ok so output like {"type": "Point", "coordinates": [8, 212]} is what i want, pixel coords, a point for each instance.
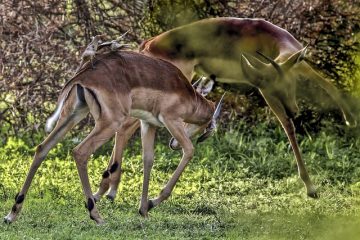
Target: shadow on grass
{"type": "Point", "coordinates": [283, 226]}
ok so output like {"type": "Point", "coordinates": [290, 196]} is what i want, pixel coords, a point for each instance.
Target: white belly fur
{"type": "Point", "coordinates": [147, 117]}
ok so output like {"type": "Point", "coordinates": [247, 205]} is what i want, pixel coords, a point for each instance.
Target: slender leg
{"type": "Point", "coordinates": [131, 125]}
{"type": "Point", "coordinates": [112, 175]}
{"type": "Point", "coordinates": [307, 71]}
{"type": "Point", "coordinates": [278, 109]}
{"type": "Point", "coordinates": [176, 129]}
{"type": "Point", "coordinates": [147, 140]}
{"type": "Point", "coordinates": [63, 126]}
{"type": "Point", "coordinates": [98, 136]}
{"type": "Point", "coordinates": [105, 180]}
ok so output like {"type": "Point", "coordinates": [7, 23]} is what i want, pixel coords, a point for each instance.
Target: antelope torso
{"type": "Point", "coordinates": [145, 88]}
{"type": "Point", "coordinates": [214, 46]}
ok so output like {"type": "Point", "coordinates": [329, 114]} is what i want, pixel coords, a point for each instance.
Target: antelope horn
{"type": "Point", "coordinates": [123, 35]}
{"type": "Point", "coordinates": [273, 63]}
{"type": "Point", "coordinates": [218, 108]}
{"type": "Point", "coordinates": [197, 82]}
{"type": "Point", "coordinates": [293, 59]}
{"type": "Point", "coordinates": [212, 126]}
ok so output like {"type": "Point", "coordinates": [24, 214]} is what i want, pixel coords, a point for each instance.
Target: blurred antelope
{"type": "Point", "coordinates": [124, 85]}
{"type": "Point", "coordinates": [218, 47]}
{"type": "Point", "coordinates": [228, 50]}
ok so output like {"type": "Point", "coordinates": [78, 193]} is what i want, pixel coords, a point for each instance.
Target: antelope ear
{"type": "Point", "coordinates": [206, 87]}
{"type": "Point", "coordinates": [249, 70]}
{"type": "Point", "coordinates": [273, 63]}
{"type": "Point", "coordinates": [196, 83]}
{"type": "Point", "coordinates": [293, 59]}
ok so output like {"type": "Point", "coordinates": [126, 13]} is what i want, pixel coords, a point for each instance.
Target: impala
{"type": "Point", "coordinates": [228, 50]}
{"type": "Point", "coordinates": [123, 85]}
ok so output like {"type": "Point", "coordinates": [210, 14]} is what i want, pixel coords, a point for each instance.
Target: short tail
{"type": "Point", "coordinates": [72, 102]}
{"type": "Point", "coordinates": [50, 122]}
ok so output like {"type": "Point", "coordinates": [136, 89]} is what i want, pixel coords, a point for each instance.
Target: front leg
{"type": "Point", "coordinates": [147, 140]}
{"type": "Point", "coordinates": [112, 175]}
{"type": "Point", "coordinates": [278, 109]}
{"type": "Point", "coordinates": [98, 136]}
{"type": "Point", "coordinates": [176, 128]}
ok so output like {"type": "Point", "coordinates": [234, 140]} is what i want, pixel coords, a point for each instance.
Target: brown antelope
{"type": "Point", "coordinates": [125, 84]}
{"type": "Point", "coordinates": [216, 48]}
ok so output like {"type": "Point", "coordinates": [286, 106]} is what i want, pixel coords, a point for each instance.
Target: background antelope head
{"type": "Point", "coordinates": [279, 74]}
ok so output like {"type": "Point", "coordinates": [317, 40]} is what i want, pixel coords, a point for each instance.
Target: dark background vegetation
{"type": "Point", "coordinates": [241, 183]}
{"type": "Point", "coordinates": [41, 43]}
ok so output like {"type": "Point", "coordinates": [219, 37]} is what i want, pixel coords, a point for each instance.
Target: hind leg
{"type": "Point", "coordinates": [64, 124]}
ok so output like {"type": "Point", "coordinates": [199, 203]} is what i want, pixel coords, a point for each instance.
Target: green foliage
{"type": "Point", "coordinates": [241, 184]}
{"type": "Point", "coordinates": [42, 41]}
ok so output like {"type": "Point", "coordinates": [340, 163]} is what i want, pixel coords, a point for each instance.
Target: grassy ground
{"type": "Point", "coordinates": [241, 184]}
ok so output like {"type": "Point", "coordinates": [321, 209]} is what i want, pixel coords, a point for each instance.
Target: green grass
{"type": "Point", "coordinates": [241, 184]}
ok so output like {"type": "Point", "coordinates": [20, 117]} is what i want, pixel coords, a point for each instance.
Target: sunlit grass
{"type": "Point", "coordinates": [241, 184]}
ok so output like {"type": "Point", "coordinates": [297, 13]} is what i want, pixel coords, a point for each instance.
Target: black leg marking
{"type": "Point", "coordinates": [20, 198]}
{"type": "Point", "coordinates": [106, 174]}
{"type": "Point", "coordinates": [16, 195]}
{"type": "Point", "coordinates": [111, 198]}
{"type": "Point", "coordinates": [14, 208]}
{"type": "Point", "coordinates": [114, 167]}
{"type": "Point", "coordinates": [92, 218]}
{"type": "Point", "coordinates": [90, 204]}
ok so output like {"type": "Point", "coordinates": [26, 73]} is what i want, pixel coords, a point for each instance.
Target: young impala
{"type": "Point", "coordinates": [216, 48]}
{"type": "Point", "coordinates": [123, 85]}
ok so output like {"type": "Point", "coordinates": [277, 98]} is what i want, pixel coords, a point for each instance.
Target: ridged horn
{"type": "Point", "coordinates": [293, 59]}
{"type": "Point", "coordinates": [212, 125]}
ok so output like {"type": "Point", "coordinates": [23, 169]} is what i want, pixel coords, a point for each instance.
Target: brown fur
{"type": "Point", "coordinates": [121, 83]}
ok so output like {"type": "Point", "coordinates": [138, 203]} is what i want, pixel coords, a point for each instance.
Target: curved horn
{"type": "Point", "coordinates": [218, 107]}
{"type": "Point", "coordinates": [293, 59]}
{"type": "Point", "coordinates": [212, 126]}
{"type": "Point", "coordinates": [273, 63]}
{"type": "Point", "coordinates": [123, 35]}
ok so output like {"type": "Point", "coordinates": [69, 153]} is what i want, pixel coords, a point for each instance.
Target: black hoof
{"type": "Point", "coordinates": [143, 214]}
{"type": "Point", "coordinates": [7, 221]}
{"type": "Point", "coordinates": [150, 205]}
{"type": "Point", "coordinates": [314, 195]}
{"type": "Point", "coordinates": [110, 198]}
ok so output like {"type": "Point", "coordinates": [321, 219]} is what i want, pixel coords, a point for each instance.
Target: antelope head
{"type": "Point", "coordinates": [205, 129]}
{"type": "Point", "coordinates": [274, 78]}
